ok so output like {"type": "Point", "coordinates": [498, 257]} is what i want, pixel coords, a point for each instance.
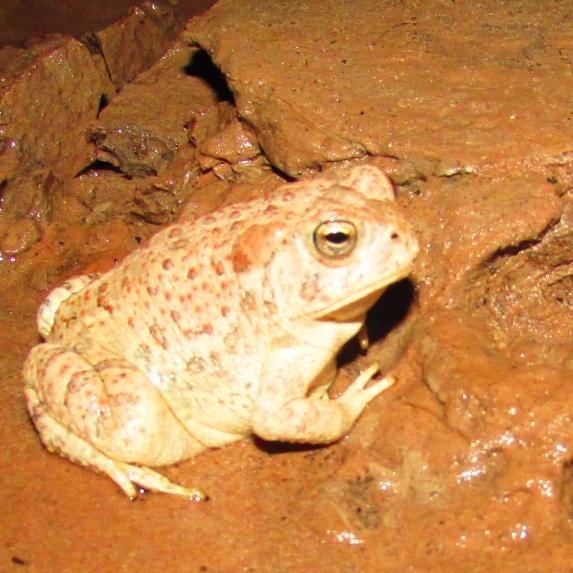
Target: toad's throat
{"type": "Point", "coordinates": [359, 302]}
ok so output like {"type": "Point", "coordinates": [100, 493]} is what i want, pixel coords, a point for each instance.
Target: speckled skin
{"type": "Point", "coordinates": [217, 329]}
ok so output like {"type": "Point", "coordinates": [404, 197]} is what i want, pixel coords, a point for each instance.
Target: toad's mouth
{"type": "Point", "coordinates": [355, 306]}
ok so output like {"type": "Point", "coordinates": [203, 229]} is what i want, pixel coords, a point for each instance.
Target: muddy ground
{"type": "Point", "coordinates": [466, 464]}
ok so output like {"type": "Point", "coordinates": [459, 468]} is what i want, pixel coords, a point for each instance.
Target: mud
{"type": "Point", "coordinates": [464, 465]}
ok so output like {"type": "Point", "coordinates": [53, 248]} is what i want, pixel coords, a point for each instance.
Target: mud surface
{"type": "Point", "coordinates": [22, 20]}
{"type": "Point", "coordinates": [466, 464]}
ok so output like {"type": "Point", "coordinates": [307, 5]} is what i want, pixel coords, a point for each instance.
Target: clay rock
{"type": "Point", "coordinates": [11, 158]}
{"type": "Point", "coordinates": [315, 91]}
{"type": "Point", "coordinates": [29, 194]}
{"type": "Point", "coordinates": [49, 94]}
{"type": "Point", "coordinates": [139, 132]}
{"type": "Point", "coordinates": [465, 222]}
{"type": "Point", "coordinates": [17, 236]}
{"type": "Point", "coordinates": [135, 42]}
{"type": "Point", "coordinates": [220, 136]}
{"type": "Point", "coordinates": [525, 293]}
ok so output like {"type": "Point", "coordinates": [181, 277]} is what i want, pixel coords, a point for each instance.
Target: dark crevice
{"type": "Point", "coordinates": [525, 244]}
{"type": "Point", "coordinates": [103, 103]}
{"type": "Point", "coordinates": [202, 66]}
{"type": "Point", "coordinates": [388, 312]}
{"type": "Point", "coordinates": [91, 42]}
{"type": "Point", "coordinates": [277, 447]}
{"type": "Point", "coordinates": [567, 487]}
{"type": "Point", "coordinates": [512, 250]}
{"type": "Point", "coordinates": [99, 165]}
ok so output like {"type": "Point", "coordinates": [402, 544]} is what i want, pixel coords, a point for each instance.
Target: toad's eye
{"type": "Point", "coordinates": [335, 239]}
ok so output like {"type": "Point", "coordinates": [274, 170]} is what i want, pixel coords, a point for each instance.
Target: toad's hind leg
{"type": "Point", "coordinates": [108, 417]}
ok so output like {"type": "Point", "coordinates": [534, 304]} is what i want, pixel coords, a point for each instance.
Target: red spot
{"type": "Point", "coordinates": [102, 288]}
{"type": "Point", "coordinates": [175, 316]}
{"type": "Point", "coordinates": [288, 196]}
{"type": "Point", "coordinates": [271, 209]}
{"type": "Point", "coordinates": [234, 214]}
{"type": "Point", "coordinates": [209, 219]}
{"type": "Point", "coordinates": [309, 289]}
{"type": "Point", "coordinates": [167, 294]}
{"type": "Point", "coordinates": [225, 310]}
{"type": "Point", "coordinates": [152, 290]}
{"type": "Point", "coordinates": [131, 322]}
{"type": "Point", "coordinates": [167, 264]}
{"type": "Point", "coordinates": [241, 261]}
{"type": "Point", "coordinates": [219, 268]}
{"type": "Point", "coordinates": [183, 298]}
{"type": "Point", "coordinates": [50, 362]}
{"type": "Point", "coordinates": [103, 303]}
{"type": "Point", "coordinates": [192, 273]}
{"type": "Point", "coordinates": [174, 232]}
{"type": "Point", "coordinates": [180, 244]}
{"type": "Point", "coordinates": [157, 334]}
{"type": "Point", "coordinates": [208, 328]}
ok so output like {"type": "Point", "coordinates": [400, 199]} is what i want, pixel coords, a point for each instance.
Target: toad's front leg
{"type": "Point", "coordinates": [315, 421]}
{"type": "Point", "coordinates": [107, 416]}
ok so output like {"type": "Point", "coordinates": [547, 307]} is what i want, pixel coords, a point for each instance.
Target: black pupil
{"type": "Point", "coordinates": [337, 237]}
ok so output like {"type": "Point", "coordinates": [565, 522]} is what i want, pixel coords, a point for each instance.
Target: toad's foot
{"type": "Point", "coordinates": [154, 481]}
{"type": "Point", "coordinates": [57, 438]}
{"type": "Point", "coordinates": [357, 395]}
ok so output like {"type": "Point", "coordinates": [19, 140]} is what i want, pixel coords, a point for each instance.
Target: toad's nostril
{"type": "Point", "coordinates": [394, 235]}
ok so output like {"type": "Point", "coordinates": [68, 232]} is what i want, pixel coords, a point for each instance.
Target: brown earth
{"type": "Point", "coordinates": [466, 464]}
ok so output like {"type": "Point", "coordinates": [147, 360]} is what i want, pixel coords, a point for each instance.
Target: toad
{"type": "Point", "coordinates": [217, 329]}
